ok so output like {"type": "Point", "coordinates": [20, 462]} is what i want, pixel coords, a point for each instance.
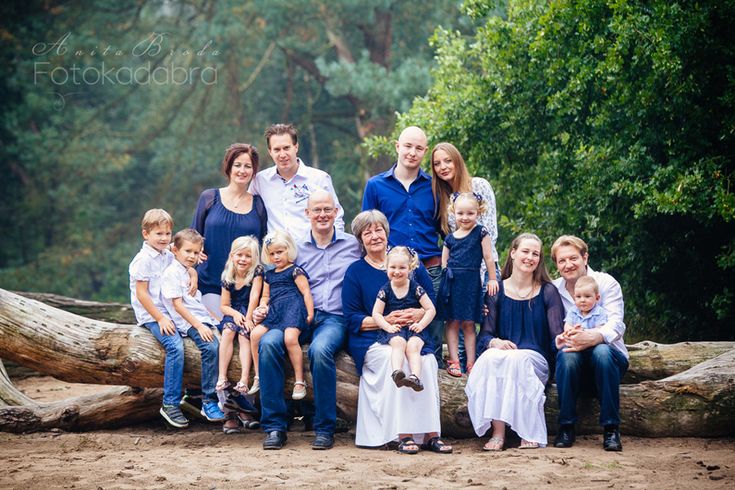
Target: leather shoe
{"type": "Point", "coordinates": [565, 437]}
{"type": "Point", "coordinates": [323, 441]}
{"type": "Point", "coordinates": [275, 440]}
{"type": "Point", "coordinates": [611, 440]}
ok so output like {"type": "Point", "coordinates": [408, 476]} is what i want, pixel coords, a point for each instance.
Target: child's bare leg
{"type": "Point", "coordinates": [255, 336]}
{"type": "Point", "coordinates": [397, 353]}
{"type": "Point", "coordinates": [413, 353]}
{"type": "Point", "coordinates": [245, 359]}
{"type": "Point", "coordinates": [453, 339]}
{"type": "Point", "coordinates": [470, 334]}
{"type": "Point", "coordinates": [225, 352]}
{"type": "Point", "coordinates": [295, 354]}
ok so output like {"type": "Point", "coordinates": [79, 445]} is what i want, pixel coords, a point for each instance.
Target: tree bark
{"type": "Point", "coordinates": [695, 398]}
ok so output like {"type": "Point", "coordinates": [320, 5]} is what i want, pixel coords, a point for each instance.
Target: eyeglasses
{"type": "Point", "coordinates": [319, 211]}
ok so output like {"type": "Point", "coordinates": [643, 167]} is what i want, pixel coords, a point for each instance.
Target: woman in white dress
{"type": "Point", "coordinates": [385, 412]}
{"type": "Point", "coordinates": [506, 385]}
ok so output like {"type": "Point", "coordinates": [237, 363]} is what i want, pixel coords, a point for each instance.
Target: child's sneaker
{"type": "Point", "coordinates": [299, 390]}
{"type": "Point", "coordinates": [172, 414]}
{"type": "Point", "coordinates": [211, 412]}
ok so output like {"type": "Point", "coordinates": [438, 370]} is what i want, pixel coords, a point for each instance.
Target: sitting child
{"type": "Point", "coordinates": [288, 305]}
{"type": "Point", "coordinates": [146, 270]}
{"type": "Point", "coordinates": [402, 292]}
{"type": "Point", "coordinates": [190, 316]}
{"type": "Point", "coordinates": [586, 312]}
{"type": "Point", "coordinates": [242, 282]}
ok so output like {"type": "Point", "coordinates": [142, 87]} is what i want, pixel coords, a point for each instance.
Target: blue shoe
{"type": "Point", "coordinates": [211, 412]}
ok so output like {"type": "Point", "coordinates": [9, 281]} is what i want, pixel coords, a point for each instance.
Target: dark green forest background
{"type": "Point", "coordinates": [612, 120]}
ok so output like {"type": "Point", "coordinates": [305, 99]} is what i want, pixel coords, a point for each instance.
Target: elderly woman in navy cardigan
{"type": "Point", "coordinates": [385, 412]}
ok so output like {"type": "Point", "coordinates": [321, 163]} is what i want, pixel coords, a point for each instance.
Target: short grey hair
{"type": "Point", "coordinates": [365, 220]}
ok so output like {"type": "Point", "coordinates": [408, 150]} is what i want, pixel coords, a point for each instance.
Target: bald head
{"type": "Point", "coordinates": [321, 211]}
{"type": "Point", "coordinates": [411, 148]}
{"type": "Point", "coordinates": [321, 196]}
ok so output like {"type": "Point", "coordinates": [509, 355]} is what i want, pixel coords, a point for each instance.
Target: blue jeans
{"type": "Point", "coordinates": [601, 367]}
{"type": "Point", "coordinates": [173, 370]}
{"type": "Point", "coordinates": [210, 359]}
{"type": "Point", "coordinates": [436, 327]}
{"type": "Point", "coordinates": [328, 337]}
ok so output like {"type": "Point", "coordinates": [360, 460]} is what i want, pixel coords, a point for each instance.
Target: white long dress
{"type": "Point", "coordinates": [508, 385]}
{"type": "Point", "coordinates": [384, 410]}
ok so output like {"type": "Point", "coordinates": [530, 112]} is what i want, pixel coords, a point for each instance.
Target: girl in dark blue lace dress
{"type": "Point", "coordinates": [242, 283]}
{"type": "Point", "coordinates": [288, 302]}
{"type": "Point", "coordinates": [461, 292]}
{"type": "Point", "coordinates": [400, 293]}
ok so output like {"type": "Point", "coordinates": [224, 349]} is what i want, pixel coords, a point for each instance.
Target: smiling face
{"type": "Point", "coordinates": [571, 263]}
{"type": "Point", "coordinates": [466, 211]}
{"type": "Point", "coordinates": [374, 239]}
{"type": "Point", "coordinates": [527, 256]}
{"type": "Point", "coordinates": [241, 171]}
{"type": "Point", "coordinates": [187, 253]}
{"type": "Point", "coordinates": [443, 166]}
{"type": "Point", "coordinates": [398, 269]}
{"type": "Point", "coordinates": [283, 151]}
{"type": "Point", "coordinates": [243, 261]}
{"type": "Point", "coordinates": [585, 298]}
{"type": "Point", "coordinates": [321, 212]}
{"type": "Point", "coordinates": [158, 237]}
{"type": "Point", "coordinates": [411, 148]}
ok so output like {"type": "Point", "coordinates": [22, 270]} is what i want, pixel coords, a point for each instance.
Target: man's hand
{"type": "Point", "coordinates": [579, 339]}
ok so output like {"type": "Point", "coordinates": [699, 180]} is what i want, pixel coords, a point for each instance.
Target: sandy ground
{"type": "Point", "coordinates": [153, 456]}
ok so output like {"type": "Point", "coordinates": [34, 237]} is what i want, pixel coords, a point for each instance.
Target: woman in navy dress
{"type": "Point", "coordinates": [224, 214]}
{"type": "Point", "coordinates": [506, 386]}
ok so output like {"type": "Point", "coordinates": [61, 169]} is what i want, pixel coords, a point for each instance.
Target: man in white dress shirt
{"type": "Point", "coordinates": [285, 187]}
{"type": "Point", "coordinates": [594, 356]}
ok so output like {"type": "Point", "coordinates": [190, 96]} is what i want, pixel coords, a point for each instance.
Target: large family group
{"type": "Point", "coordinates": [267, 263]}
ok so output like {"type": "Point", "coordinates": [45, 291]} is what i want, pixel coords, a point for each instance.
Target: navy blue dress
{"type": "Point", "coordinates": [219, 226]}
{"type": "Point", "coordinates": [394, 303]}
{"type": "Point", "coordinates": [286, 307]}
{"type": "Point", "coordinates": [239, 301]}
{"type": "Point", "coordinates": [461, 292]}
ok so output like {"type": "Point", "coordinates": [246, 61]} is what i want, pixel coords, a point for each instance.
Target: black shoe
{"type": "Point", "coordinates": [275, 440]}
{"type": "Point", "coordinates": [341, 425]}
{"type": "Point", "coordinates": [565, 437]}
{"type": "Point", "coordinates": [323, 441]}
{"type": "Point", "coordinates": [172, 414]}
{"type": "Point", "coordinates": [611, 440]}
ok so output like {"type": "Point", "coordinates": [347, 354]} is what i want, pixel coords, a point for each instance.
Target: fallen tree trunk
{"type": "Point", "coordinates": [81, 350]}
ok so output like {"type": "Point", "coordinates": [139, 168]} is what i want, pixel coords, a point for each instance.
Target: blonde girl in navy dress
{"type": "Point", "coordinates": [287, 302]}
{"type": "Point", "coordinates": [242, 283]}
{"type": "Point", "coordinates": [461, 293]}
{"type": "Point", "coordinates": [399, 293]}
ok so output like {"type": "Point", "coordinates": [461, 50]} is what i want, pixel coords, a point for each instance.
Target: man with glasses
{"type": "Point", "coordinates": [324, 252]}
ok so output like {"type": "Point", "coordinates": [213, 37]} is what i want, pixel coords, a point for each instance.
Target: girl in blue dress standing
{"type": "Point", "coordinates": [288, 304]}
{"type": "Point", "coordinates": [461, 292]}
{"type": "Point", "coordinates": [242, 282]}
{"type": "Point", "coordinates": [402, 292]}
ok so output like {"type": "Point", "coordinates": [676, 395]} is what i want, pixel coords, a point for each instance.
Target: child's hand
{"type": "Point", "coordinates": [167, 326]}
{"type": "Point", "coordinates": [561, 340]}
{"type": "Point", "coordinates": [492, 287]}
{"type": "Point", "coordinates": [415, 327]}
{"type": "Point", "coordinates": [259, 314]}
{"type": "Point", "coordinates": [249, 325]}
{"type": "Point", "coordinates": [392, 328]}
{"type": "Point", "coordinates": [205, 333]}
{"type": "Point", "coordinates": [239, 318]}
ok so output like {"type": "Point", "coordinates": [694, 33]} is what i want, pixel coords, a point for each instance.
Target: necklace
{"type": "Point", "coordinates": [524, 296]}
{"type": "Point", "coordinates": [237, 202]}
{"type": "Point", "coordinates": [378, 265]}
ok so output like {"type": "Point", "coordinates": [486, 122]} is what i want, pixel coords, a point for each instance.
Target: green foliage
{"type": "Point", "coordinates": [610, 120]}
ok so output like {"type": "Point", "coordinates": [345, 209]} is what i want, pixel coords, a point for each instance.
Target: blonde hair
{"type": "Point", "coordinates": [413, 258]}
{"type": "Point", "coordinates": [569, 241]}
{"type": "Point", "coordinates": [442, 189]}
{"type": "Point", "coordinates": [187, 235]}
{"type": "Point", "coordinates": [278, 238]}
{"type": "Point", "coordinates": [156, 217]}
{"type": "Point", "coordinates": [468, 196]}
{"type": "Point", "coordinates": [587, 281]}
{"type": "Point", "coordinates": [250, 243]}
